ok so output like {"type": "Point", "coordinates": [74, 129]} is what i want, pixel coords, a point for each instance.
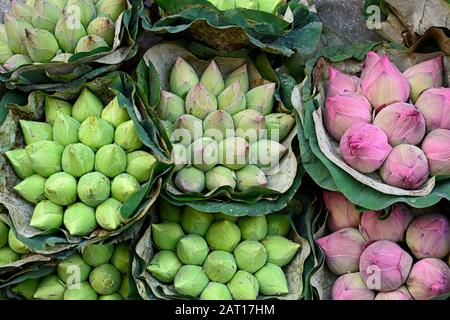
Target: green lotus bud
{"type": "Point", "coordinates": [203, 153]}
{"type": "Point", "coordinates": [20, 162]}
{"type": "Point", "coordinates": [124, 186]}
{"type": "Point", "coordinates": [61, 188]}
{"type": "Point", "coordinates": [110, 8]}
{"type": "Point", "coordinates": [105, 279]}
{"type": "Point", "coordinates": [272, 280]}
{"type": "Point", "coordinates": [26, 288]}
{"type": "Point", "coordinates": [45, 14]}
{"type": "Point", "coordinates": [22, 10]}
{"type": "Point", "coordinates": [41, 45]}
{"type": "Point", "coordinates": [223, 4]}
{"type": "Point", "coordinates": [279, 125]}
{"type": "Point", "coordinates": [190, 179]}
{"type": "Point", "coordinates": [115, 114]}
{"type": "Point", "coordinates": [168, 128]}
{"type": "Point", "coordinates": [243, 286]}
{"type": "Point", "coordinates": [50, 288]}
{"type": "Point", "coordinates": [166, 235]}
{"type": "Point", "coordinates": [250, 176]}
{"type": "Point", "coordinates": [249, 124]}
{"type": "Point", "coordinates": [223, 216]}
{"type": "Point", "coordinates": [78, 159]}
{"type": "Point", "coordinates": [200, 102]}
{"type": "Point", "coordinates": [261, 98]}
{"type": "Point", "coordinates": [127, 137]}
{"type": "Point", "coordinates": [45, 157]}
{"type": "Point", "coordinates": [15, 244]}
{"type": "Point", "coordinates": [169, 212]}
{"type": "Point", "coordinates": [3, 234]}
{"type": "Point", "coordinates": [65, 129]}
{"type": "Point", "coordinates": [240, 74]}
{"type": "Point", "coordinates": [268, 5]}
{"type": "Point", "coordinates": [36, 131]}
{"type": "Point", "coordinates": [87, 105]}
{"type": "Point", "coordinates": [187, 129]}
{"type": "Point", "coordinates": [15, 29]}
{"type": "Point", "coordinates": [8, 256]}
{"type": "Point", "coordinates": [192, 249]}
{"type": "Point", "coordinates": [111, 160]}
{"type": "Point", "coordinates": [90, 43]}
{"type": "Point", "coordinates": [69, 31]}
{"type": "Point", "coordinates": [247, 4]}
{"type": "Point", "coordinates": [190, 281]}
{"type": "Point", "coordinates": [104, 28]}
{"type": "Point", "coordinates": [278, 224]}
{"type": "Point", "coordinates": [16, 61]}
{"type": "Point", "coordinates": [253, 228]}
{"type": "Point", "coordinates": [164, 266]}
{"type": "Point", "coordinates": [212, 79]}
{"type": "Point", "coordinates": [108, 214]}
{"type": "Point", "coordinates": [121, 257]}
{"type": "Point", "coordinates": [219, 177]}
{"type": "Point", "coordinates": [124, 290]}
{"type": "Point", "coordinates": [73, 269]}
{"type": "Point", "coordinates": [183, 78]}
{"type": "Point", "coordinates": [223, 235]}
{"type": "Point", "coordinates": [47, 216]}
{"type": "Point", "coordinates": [216, 291]}
{"type": "Point", "coordinates": [180, 157]}
{"type": "Point", "coordinates": [266, 153]}
{"type": "Point", "coordinates": [53, 106]}
{"type": "Point", "coordinates": [250, 256]}
{"type": "Point", "coordinates": [233, 153]}
{"type": "Point", "coordinates": [80, 291]}
{"type": "Point", "coordinates": [93, 188]}
{"type": "Point", "coordinates": [96, 132]}
{"type": "Point", "coordinates": [218, 125]}
{"type": "Point", "coordinates": [220, 266]}
{"type": "Point", "coordinates": [170, 106]}
{"type": "Point", "coordinates": [196, 222]}
{"type": "Point", "coordinates": [79, 219]}
{"type": "Point", "coordinates": [31, 189]}
{"type": "Point", "coordinates": [114, 296]}
{"type": "Point", "coordinates": [97, 254]}
{"type": "Point", "coordinates": [83, 9]}
{"type": "Point", "coordinates": [280, 250]}
{"type": "Point", "coordinates": [62, 57]}
{"type": "Point", "coordinates": [140, 165]}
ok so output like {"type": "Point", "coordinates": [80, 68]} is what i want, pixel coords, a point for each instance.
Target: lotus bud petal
{"type": "Point", "coordinates": [187, 129]}
{"type": "Point", "coordinates": [73, 270]}
{"type": "Point", "coordinates": [382, 83]}
{"type": "Point", "coordinates": [223, 235]}
{"type": "Point", "coordinates": [220, 266]}
{"type": "Point", "coordinates": [212, 79]}
{"type": "Point", "coordinates": [250, 255]}
{"type": "Point", "coordinates": [65, 129]}
{"type": "Point", "coordinates": [425, 75]}
{"type": "Point", "coordinates": [401, 293]}
{"type": "Point", "coordinates": [196, 222]}
{"type": "Point", "coordinates": [243, 286]}
{"type": "Point", "coordinates": [266, 153]}
{"type": "Point", "coordinates": [5, 52]}
{"type": "Point", "coordinates": [115, 114]}
{"type": "Point", "coordinates": [180, 157]}
{"type": "Point", "coordinates": [384, 266]}
{"type": "Point", "coordinates": [164, 266]}
{"type": "Point", "coordinates": [16, 61]}
{"type": "Point", "coordinates": [125, 287]}
{"type": "Point", "coordinates": [249, 124]}
{"type": "Point", "coordinates": [22, 10]}
{"type": "Point", "coordinates": [250, 176]}
{"type": "Point", "coordinates": [26, 288]}
{"type": "Point", "coordinates": [50, 288]}
{"type": "Point", "coordinates": [110, 8]}
{"type": "Point", "coordinates": [68, 31]}
{"type": "Point", "coordinates": [15, 244]}
{"type": "Point", "coordinates": [223, 216]}
{"type": "Point", "coordinates": [127, 137]}
{"type": "Point", "coordinates": [342, 250]}
{"type": "Point", "coordinates": [83, 9]}
{"type": "Point", "coordinates": [166, 235]}
{"type": "Point", "coordinates": [406, 167]}
{"type": "Point", "coordinates": [280, 250]}
{"type": "Point", "coordinates": [219, 177]}
{"type": "Point", "coordinates": [272, 280]}
{"type": "Point", "coordinates": [111, 160]}
{"type": "Point", "coordinates": [3, 34]}
{"type": "Point", "coordinates": [47, 216]}
{"type": "Point", "coordinates": [233, 153]}
{"type": "Point", "coordinates": [104, 28]}
{"type": "Point", "coordinates": [200, 102]}
{"type": "Point", "coordinates": [253, 228]}
{"type": "Point", "coordinates": [15, 29]}
{"type": "Point", "coordinates": [140, 165]}
{"type": "Point", "coordinates": [218, 125]}
{"type": "Point", "coordinates": [121, 257]}
{"type": "Point", "coordinates": [45, 157]}
{"type": "Point", "coordinates": [192, 249]}
{"type": "Point", "coordinates": [108, 214]}
{"type": "Point", "coordinates": [62, 57]}
{"type": "Point", "coordinates": [429, 278]}
{"type": "Point", "coordinates": [90, 43]}
{"type": "Point", "coordinates": [79, 219]}
{"type": "Point", "coordinates": [53, 106]}
{"type": "Point", "coordinates": [105, 279]}
{"type": "Point", "coordinates": [232, 99]}
{"type": "Point", "coordinates": [78, 159]}
{"type": "Point", "coordinates": [61, 188]}
{"type": "Point", "coordinates": [31, 188]}
{"type": "Point", "coordinates": [223, 4]}
{"type": "Point", "coordinates": [269, 6]}
{"type": "Point", "coordinates": [278, 224]}
{"type": "Point", "coordinates": [190, 280]}
{"type": "Point", "coordinates": [169, 212]}
{"type": "Point", "coordinates": [87, 105]}
{"type": "Point", "coordinates": [434, 104]}
{"type": "Point", "coordinates": [93, 188]}
{"type": "Point", "coordinates": [216, 291]}
{"type": "Point", "coordinates": [114, 296]}
{"type": "Point", "coordinates": [3, 234]}
{"type": "Point", "coordinates": [341, 83]}
{"type": "Point", "coordinates": [41, 45]}
{"type": "Point", "coordinates": [203, 153]}
{"type": "Point", "coordinates": [8, 256]}
{"type": "Point", "coordinates": [279, 125]}
{"type": "Point", "coordinates": [97, 254]}
{"type": "Point", "coordinates": [80, 291]}
{"type": "Point", "coordinates": [261, 98]}
{"type": "Point", "coordinates": [241, 75]}
{"type": "Point", "coordinates": [96, 132]}
{"type": "Point", "coordinates": [190, 179]}
{"type": "Point", "coordinates": [36, 131]}
{"type": "Point", "coordinates": [436, 147]}
{"type": "Point", "coordinates": [351, 287]}
{"type": "Point", "coordinates": [170, 106]}
{"type": "Point", "coordinates": [183, 78]}
{"type": "Point", "coordinates": [45, 14]}
{"type": "Point", "coordinates": [247, 4]}
{"type": "Point", "coordinates": [341, 212]}
{"type": "Point", "coordinates": [124, 186]}
{"type": "Point", "coordinates": [168, 128]}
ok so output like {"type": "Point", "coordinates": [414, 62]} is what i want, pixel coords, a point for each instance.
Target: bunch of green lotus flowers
{"type": "Point", "coordinates": [42, 31]}
{"type": "Point", "coordinates": [11, 248]}
{"type": "Point", "coordinates": [219, 257]}
{"type": "Point", "coordinates": [224, 133]}
{"type": "Point", "coordinates": [262, 5]}
{"type": "Point", "coordinates": [99, 273]}
{"type": "Point", "coordinates": [81, 165]}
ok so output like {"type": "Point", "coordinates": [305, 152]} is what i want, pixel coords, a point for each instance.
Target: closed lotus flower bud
{"type": "Point", "coordinates": [220, 266]}
{"type": "Point", "coordinates": [78, 159]}
{"type": "Point", "coordinates": [61, 188]}
{"type": "Point", "coordinates": [79, 219]}
{"type": "Point", "coordinates": [68, 31]}
{"type": "Point", "coordinates": [124, 186]}
{"type": "Point", "coordinates": [233, 153]}
{"type": "Point", "coordinates": [190, 281]}
{"type": "Point", "coordinates": [15, 244]}
{"type": "Point", "coordinates": [73, 269]}
{"type": "Point", "coordinates": [241, 75]}
{"type": "Point", "coordinates": [115, 114]}
{"type": "Point", "coordinates": [65, 129]}
{"type": "Point", "coordinates": [15, 29]}
{"type": "Point", "coordinates": [261, 98]}
{"type": "Point", "coordinates": [96, 132]}
{"type": "Point", "coordinates": [31, 188]}
{"type": "Point", "coordinates": [110, 8]}
{"type": "Point", "coordinates": [80, 291]}
{"type": "Point", "coordinates": [90, 43]}
{"type": "Point", "coordinates": [22, 10]}
{"type": "Point", "coordinates": [212, 79]}
{"type": "Point", "coordinates": [166, 235]}
{"type": "Point", "coordinates": [249, 124]}
{"type": "Point", "coordinates": [93, 188]}
{"type": "Point", "coordinates": [104, 28]}
{"type": "Point", "coordinates": [84, 9]}
{"type": "Point", "coordinates": [351, 287]}
{"type": "Point", "coordinates": [203, 153]}
{"type": "Point", "coordinates": [26, 288]}
{"type": "Point", "coordinates": [253, 228]}
{"type": "Point", "coordinates": [140, 165]}
{"type": "Point", "coordinates": [3, 234]}
{"type": "Point", "coordinates": [436, 146]}
{"type": "Point", "coordinates": [200, 102]}
{"type": "Point", "coordinates": [114, 296]}
{"type": "Point", "coordinates": [50, 288]}
{"type": "Point", "coordinates": [164, 266]}
{"type": "Point", "coordinates": [87, 105]}
{"type": "Point", "coordinates": [341, 83]}
{"type": "Point", "coordinates": [183, 78]}
{"type": "Point", "coordinates": [429, 278]}
{"type": "Point", "coordinates": [382, 83]}
{"type": "Point", "coordinates": [192, 249]}
{"type": "Point", "coordinates": [121, 257]}
{"type": "Point", "coordinates": [190, 180]}
{"type": "Point", "coordinates": [435, 106]}
{"type": "Point", "coordinates": [406, 167]}
{"type": "Point", "coordinates": [280, 250]}
{"type": "Point", "coordinates": [45, 157]}
{"type": "Point", "coordinates": [169, 212]}
{"type": "Point", "coordinates": [105, 279]}
{"type": "Point", "coordinates": [216, 291]}
{"type": "Point", "coordinates": [194, 221]}
{"type": "Point", "coordinates": [384, 266]}
{"type": "Point", "coordinates": [45, 14]}
{"type": "Point", "coordinates": [279, 125]}
{"type": "Point", "coordinates": [53, 106]}
{"type": "Point", "coordinates": [250, 255]}
{"type": "Point", "coordinates": [47, 216]}
{"type": "Point", "coordinates": [187, 129]}
{"type": "Point", "coordinates": [219, 177]}
{"type": "Point", "coordinates": [425, 75]}
{"type": "Point", "coordinates": [16, 61]}
{"type": "Point", "coordinates": [250, 176]}
{"type": "Point", "coordinates": [97, 254]}
{"type": "Point", "coordinates": [180, 157]}
{"type": "Point", "coordinates": [341, 212]}
{"type": "Point", "coordinates": [36, 131]}
{"type": "Point", "coordinates": [223, 235]}
{"type": "Point", "coordinates": [170, 106]}
{"type": "Point", "coordinates": [401, 293]}
{"type": "Point", "coordinates": [243, 286]}
{"type": "Point", "coordinates": [8, 256]}
{"type": "Point", "coordinates": [111, 160]}
{"type": "Point", "coordinates": [272, 280]}
{"type": "Point", "coordinates": [126, 137]}
{"type": "Point", "coordinates": [266, 153]}
{"type": "Point", "coordinates": [108, 214]}
{"type": "Point", "coordinates": [218, 125]}
{"type": "Point", "coordinates": [278, 224]}
{"type": "Point", "coordinates": [232, 99]}
{"type": "Point", "coordinates": [41, 45]}
{"type": "Point", "coordinates": [342, 250]}
{"type": "Point", "coordinates": [428, 236]}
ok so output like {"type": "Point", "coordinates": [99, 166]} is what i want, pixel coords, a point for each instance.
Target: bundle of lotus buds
{"type": "Point", "coordinates": [262, 5]}
{"type": "Point", "coordinates": [11, 248]}
{"type": "Point", "coordinates": [81, 165]}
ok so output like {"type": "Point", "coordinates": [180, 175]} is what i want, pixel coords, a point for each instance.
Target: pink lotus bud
{"type": "Point", "coordinates": [376, 226]}
{"type": "Point", "coordinates": [351, 287]}
{"type": "Point", "coordinates": [425, 75]}
{"type": "Point", "coordinates": [436, 147]}
{"type": "Point", "coordinates": [364, 147]}
{"type": "Point", "coordinates": [382, 83]}
{"type": "Point", "coordinates": [342, 250]}
{"type": "Point", "coordinates": [384, 266]}
{"type": "Point", "coordinates": [402, 123]}
{"type": "Point", "coordinates": [341, 83]}
{"type": "Point", "coordinates": [435, 107]}
{"type": "Point", "coordinates": [429, 278]}
{"type": "Point", "coordinates": [342, 213]}
{"type": "Point", "coordinates": [406, 167]}
{"type": "Point", "coordinates": [428, 236]}
{"type": "Point", "coordinates": [401, 293]}
{"type": "Point", "coordinates": [342, 112]}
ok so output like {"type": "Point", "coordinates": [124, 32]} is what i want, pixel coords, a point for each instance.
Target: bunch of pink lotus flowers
{"type": "Point", "coordinates": [395, 255]}
{"type": "Point", "coordinates": [397, 123]}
